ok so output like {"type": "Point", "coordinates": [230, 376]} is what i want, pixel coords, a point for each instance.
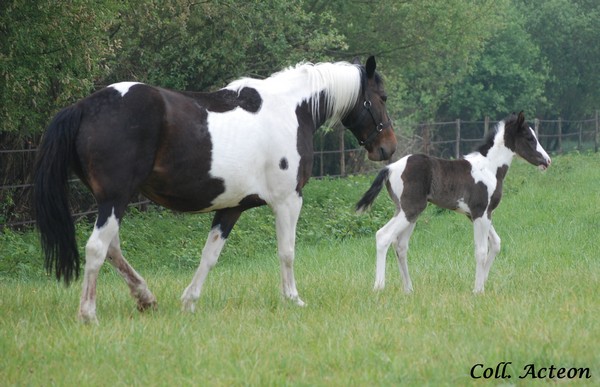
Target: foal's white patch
{"type": "Point", "coordinates": [123, 87]}
{"type": "Point", "coordinates": [540, 150]}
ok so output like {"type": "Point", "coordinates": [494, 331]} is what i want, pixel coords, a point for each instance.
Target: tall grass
{"type": "Point", "coordinates": [540, 307]}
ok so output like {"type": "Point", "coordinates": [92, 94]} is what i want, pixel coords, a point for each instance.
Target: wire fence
{"type": "Point", "coordinates": [336, 155]}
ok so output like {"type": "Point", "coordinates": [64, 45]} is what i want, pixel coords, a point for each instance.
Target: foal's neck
{"type": "Point", "coordinates": [497, 156]}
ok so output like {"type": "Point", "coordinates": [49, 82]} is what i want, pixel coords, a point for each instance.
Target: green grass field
{"type": "Point", "coordinates": [541, 304]}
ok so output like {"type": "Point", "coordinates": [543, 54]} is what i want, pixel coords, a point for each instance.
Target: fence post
{"type": "Point", "coordinates": [536, 127]}
{"type": "Point", "coordinates": [426, 139]}
{"type": "Point", "coordinates": [321, 154]}
{"type": "Point", "coordinates": [342, 151]}
{"type": "Point", "coordinates": [559, 135]}
{"type": "Point", "coordinates": [457, 147]}
{"type": "Point", "coordinates": [596, 134]}
{"type": "Point", "coordinates": [579, 138]}
{"type": "Point", "coordinates": [486, 126]}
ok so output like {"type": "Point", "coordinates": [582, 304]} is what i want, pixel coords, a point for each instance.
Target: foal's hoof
{"type": "Point", "coordinates": [146, 305]}
{"type": "Point", "coordinates": [87, 319]}
{"type": "Point", "coordinates": [299, 302]}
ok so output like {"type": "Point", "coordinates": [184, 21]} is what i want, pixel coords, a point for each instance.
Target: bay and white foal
{"type": "Point", "coordinates": [472, 186]}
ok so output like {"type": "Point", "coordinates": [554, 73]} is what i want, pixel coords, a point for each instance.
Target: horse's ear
{"type": "Point", "coordinates": [520, 119]}
{"type": "Point", "coordinates": [371, 66]}
{"type": "Point", "coordinates": [356, 60]}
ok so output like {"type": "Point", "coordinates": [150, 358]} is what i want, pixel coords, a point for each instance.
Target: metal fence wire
{"type": "Point", "coordinates": [336, 155]}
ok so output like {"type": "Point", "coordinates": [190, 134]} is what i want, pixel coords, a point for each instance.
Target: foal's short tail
{"type": "Point", "coordinates": [53, 216]}
{"type": "Point", "coordinates": [369, 197]}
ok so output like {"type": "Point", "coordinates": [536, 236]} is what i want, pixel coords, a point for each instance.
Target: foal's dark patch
{"type": "Point", "coordinates": [283, 163]}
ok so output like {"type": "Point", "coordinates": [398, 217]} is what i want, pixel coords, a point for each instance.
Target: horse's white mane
{"type": "Point", "coordinates": [340, 82]}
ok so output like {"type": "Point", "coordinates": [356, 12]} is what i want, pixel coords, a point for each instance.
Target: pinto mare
{"type": "Point", "coordinates": [472, 186]}
{"type": "Point", "coordinates": [246, 145]}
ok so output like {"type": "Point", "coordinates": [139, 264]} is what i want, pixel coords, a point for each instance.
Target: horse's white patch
{"type": "Point", "coordinates": [123, 87]}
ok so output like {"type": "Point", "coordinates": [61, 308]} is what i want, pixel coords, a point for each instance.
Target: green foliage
{"type": "Point", "coordinates": [508, 76]}
{"type": "Point", "coordinates": [200, 46]}
{"type": "Point", "coordinates": [567, 32]}
{"type": "Point", "coordinates": [424, 46]}
{"type": "Point", "coordinates": [51, 53]}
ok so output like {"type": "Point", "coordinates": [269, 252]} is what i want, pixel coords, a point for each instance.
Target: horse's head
{"type": "Point", "coordinates": [521, 139]}
{"type": "Point", "coordinates": [368, 119]}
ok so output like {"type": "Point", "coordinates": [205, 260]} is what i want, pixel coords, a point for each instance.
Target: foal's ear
{"type": "Point", "coordinates": [356, 60]}
{"type": "Point", "coordinates": [371, 66]}
{"type": "Point", "coordinates": [520, 119]}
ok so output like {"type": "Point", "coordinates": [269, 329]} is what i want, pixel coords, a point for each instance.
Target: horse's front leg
{"type": "Point", "coordinates": [286, 218]}
{"type": "Point", "coordinates": [481, 229]}
{"type": "Point", "coordinates": [222, 225]}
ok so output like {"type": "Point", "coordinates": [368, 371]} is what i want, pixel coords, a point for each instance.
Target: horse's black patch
{"type": "Point", "coordinates": [226, 218]}
{"type": "Point", "coordinates": [283, 163]}
{"type": "Point", "coordinates": [226, 100]}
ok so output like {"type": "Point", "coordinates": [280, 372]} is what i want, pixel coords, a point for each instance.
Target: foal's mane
{"type": "Point", "coordinates": [488, 142]}
{"type": "Point", "coordinates": [341, 83]}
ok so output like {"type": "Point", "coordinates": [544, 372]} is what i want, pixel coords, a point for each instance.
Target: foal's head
{"type": "Point", "coordinates": [521, 139]}
{"type": "Point", "coordinates": [368, 119]}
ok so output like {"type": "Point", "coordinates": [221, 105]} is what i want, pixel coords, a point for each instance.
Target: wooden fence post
{"type": "Point", "coordinates": [536, 127]}
{"type": "Point", "coordinates": [596, 134]}
{"type": "Point", "coordinates": [457, 146]}
{"type": "Point", "coordinates": [486, 126]}
{"type": "Point", "coordinates": [426, 139]}
{"type": "Point", "coordinates": [559, 135]}
{"type": "Point", "coordinates": [321, 154]}
{"type": "Point", "coordinates": [342, 151]}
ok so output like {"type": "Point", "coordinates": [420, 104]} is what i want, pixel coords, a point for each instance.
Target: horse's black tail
{"type": "Point", "coordinates": [53, 216]}
{"type": "Point", "coordinates": [369, 197]}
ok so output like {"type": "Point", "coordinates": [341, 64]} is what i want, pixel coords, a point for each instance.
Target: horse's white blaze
{"type": "Point", "coordinates": [123, 87]}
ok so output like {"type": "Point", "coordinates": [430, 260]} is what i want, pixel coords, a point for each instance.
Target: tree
{"type": "Point", "coordinates": [567, 33]}
{"type": "Point", "coordinates": [509, 76]}
{"type": "Point", "coordinates": [203, 45]}
{"type": "Point", "coordinates": [50, 54]}
{"type": "Point", "coordinates": [424, 46]}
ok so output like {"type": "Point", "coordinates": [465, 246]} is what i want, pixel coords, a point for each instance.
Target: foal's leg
{"type": "Point", "coordinates": [481, 227]}
{"type": "Point", "coordinates": [401, 247]}
{"type": "Point", "coordinates": [222, 225]}
{"type": "Point", "coordinates": [139, 290]}
{"type": "Point", "coordinates": [95, 253]}
{"type": "Point", "coordinates": [389, 233]}
{"type": "Point", "coordinates": [286, 218]}
{"type": "Point", "coordinates": [494, 249]}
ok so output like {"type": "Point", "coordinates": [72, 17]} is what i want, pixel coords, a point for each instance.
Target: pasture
{"type": "Point", "coordinates": [540, 305]}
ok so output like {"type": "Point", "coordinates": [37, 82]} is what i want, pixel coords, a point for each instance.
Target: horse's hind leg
{"type": "Point", "coordinates": [96, 249]}
{"type": "Point", "coordinates": [388, 234]}
{"type": "Point", "coordinates": [139, 290]}
{"type": "Point", "coordinates": [401, 247]}
{"type": "Point", "coordinates": [494, 249]}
